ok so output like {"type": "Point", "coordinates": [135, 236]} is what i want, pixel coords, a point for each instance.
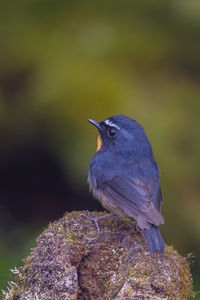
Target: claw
{"type": "Point", "coordinates": [137, 228]}
{"type": "Point", "coordinates": [95, 220]}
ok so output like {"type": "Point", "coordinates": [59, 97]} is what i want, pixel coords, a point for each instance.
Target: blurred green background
{"type": "Point", "coordinates": [62, 62]}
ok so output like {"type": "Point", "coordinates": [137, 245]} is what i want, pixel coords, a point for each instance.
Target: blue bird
{"type": "Point", "coordinates": [125, 178]}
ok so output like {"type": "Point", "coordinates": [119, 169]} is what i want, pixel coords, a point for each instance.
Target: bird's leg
{"type": "Point", "coordinates": [96, 219]}
{"type": "Point", "coordinates": [137, 228]}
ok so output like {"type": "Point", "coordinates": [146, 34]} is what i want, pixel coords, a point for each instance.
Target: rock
{"type": "Point", "coordinates": [68, 262]}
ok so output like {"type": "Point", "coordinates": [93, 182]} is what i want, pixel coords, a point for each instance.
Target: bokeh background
{"type": "Point", "coordinates": [62, 62]}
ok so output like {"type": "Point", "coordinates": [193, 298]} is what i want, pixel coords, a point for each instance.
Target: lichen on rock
{"type": "Point", "coordinates": [69, 262]}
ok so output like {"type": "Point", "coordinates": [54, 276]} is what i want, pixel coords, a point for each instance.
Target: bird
{"type": "Point", "coordinates": [125, 177]}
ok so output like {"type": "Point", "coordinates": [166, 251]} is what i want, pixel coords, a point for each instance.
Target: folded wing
{"type": "Point", "coordinates": [136, 197]}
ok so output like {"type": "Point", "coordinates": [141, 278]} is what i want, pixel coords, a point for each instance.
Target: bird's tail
{"type": "Point", "coordinates": [154, 240]}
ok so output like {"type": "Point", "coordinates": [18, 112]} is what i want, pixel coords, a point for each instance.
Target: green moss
{"type": "Point", "coordinates": [15, 293]}
{"type": "Point", "coordinates": [29, 265]}
{"type": "Point", "coordinates": [145, 272]}
{"type": "Point", "coordinates": [128, 220]}
{"type": "Point", "coordinates": [130, 292]}
{"type": "Point", "coordinates": [131, 271]}
{"type": "Point", "coordinates": [116, 261]}
{"type": "Point", "coordinates": [71, 237]}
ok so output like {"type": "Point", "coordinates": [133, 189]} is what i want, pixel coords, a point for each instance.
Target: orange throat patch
{"type": "Point", "coordinates": [99, 143]}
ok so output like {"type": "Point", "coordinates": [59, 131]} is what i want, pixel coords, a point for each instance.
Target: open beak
{"type": "Point", "coordinates": [95, 123]}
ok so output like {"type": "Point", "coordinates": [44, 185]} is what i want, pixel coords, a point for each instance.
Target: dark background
{"type": "Point", "coordinates": [62, 62]}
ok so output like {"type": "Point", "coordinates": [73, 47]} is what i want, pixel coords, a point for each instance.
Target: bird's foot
{"type": "Point", "coordinates": [137, 228]}
{"type": "Point", "coordinates": [95, 220]}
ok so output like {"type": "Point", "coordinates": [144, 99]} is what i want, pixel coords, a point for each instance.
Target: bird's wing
{"type": "Point", "coordinates": [159, 200]}
{"type": "Point", "coordinates": [135, 196]}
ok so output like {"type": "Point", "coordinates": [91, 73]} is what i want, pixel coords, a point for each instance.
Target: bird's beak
{"type": "Point", "coordinates": [95, 123]}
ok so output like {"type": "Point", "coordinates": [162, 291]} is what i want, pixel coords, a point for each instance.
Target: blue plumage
{"type": "Point", "coordinates": [125, 178]}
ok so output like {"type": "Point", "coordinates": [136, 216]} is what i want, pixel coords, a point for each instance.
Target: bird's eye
{"type": "Point", "coordinates": [111, 131]}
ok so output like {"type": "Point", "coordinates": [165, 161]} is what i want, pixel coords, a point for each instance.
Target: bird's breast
{"type": "Point", "coordinates": [99, 143]}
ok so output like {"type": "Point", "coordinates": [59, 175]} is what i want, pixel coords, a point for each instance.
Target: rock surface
{"type": "Point", "coordinates": [68, 262]}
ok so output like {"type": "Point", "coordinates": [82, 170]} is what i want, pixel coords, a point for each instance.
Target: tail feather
{"type": "Point", "coordinates": [154, 240]}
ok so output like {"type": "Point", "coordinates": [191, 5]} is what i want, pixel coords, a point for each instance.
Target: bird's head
{"type": "Point", "coordinates": [121, 133]}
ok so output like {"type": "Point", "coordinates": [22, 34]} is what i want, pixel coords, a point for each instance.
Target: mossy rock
{"type": "Point", "coordinates": [68, 262]}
